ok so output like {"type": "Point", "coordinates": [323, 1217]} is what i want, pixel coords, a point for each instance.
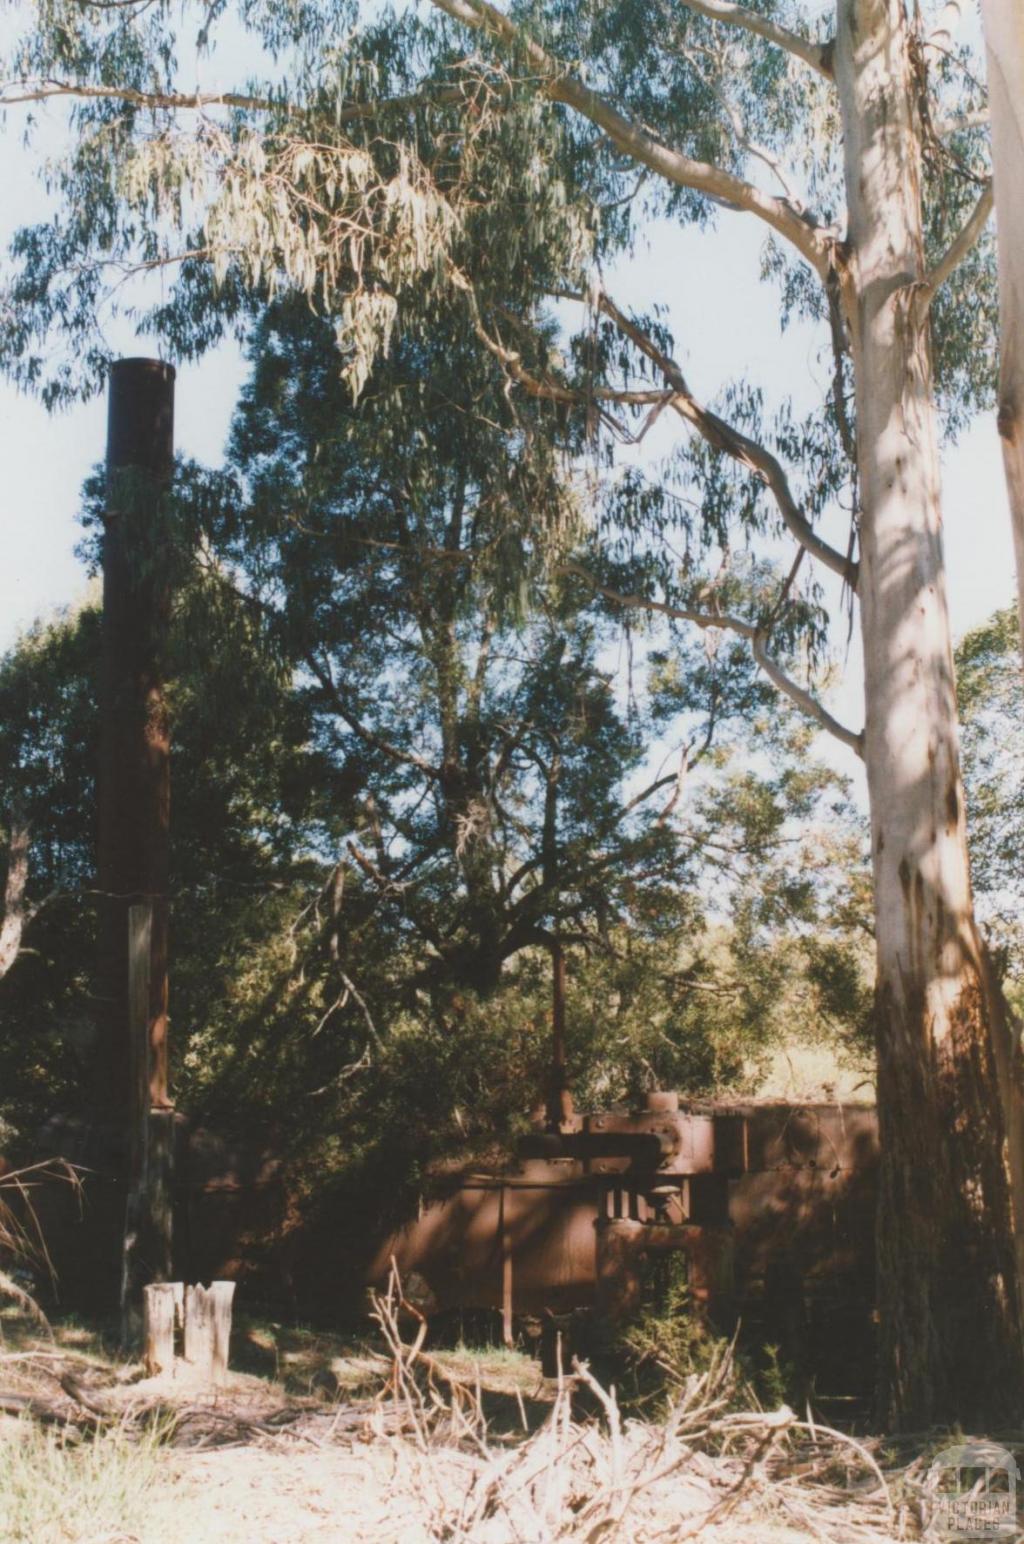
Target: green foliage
{"type": "Point", "coordinates": [405, 762]}
{"type": "Point", "coordinates": [656, 1355]}
{"type": "Point", "coordinates": [48, 748]}
{"type": "Point", "coordinates": [776, 1379]}
{"type": "Point", "coordinates": [666, 1342]}
{"type": "Point", "coordinates": [234, 843]}
{"type": "Point", "coordinates": [503, 784]}
{"type": "Point", "coordinates": [48, 741]}
{"type": "Point", "coordinates": [297, 188]}
{"type": "Point", "coordinates": [305, 1007]}
{"type": "Point", "coordinates": [422, 198]}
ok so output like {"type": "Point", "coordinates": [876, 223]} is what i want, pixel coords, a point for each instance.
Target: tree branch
{"type": "Point", "coordinates": [977, 118]}
{"type": "Point", "coordinates": [667, 780]}
{"type": "Point", "coordinates": [808, 704]}
{"type": "Point", "coordinates": [741, 448]}
{"type": "Point", "coordinates": [942, 34]}
{"type": "Point", "coordinates": [548, 390]}
{"type": "Point", "coordinates": [393, 886]}
{"type": "Point", "coordinates": [714, 430]}
{"type": "Point", "coordinates": [798, 695]}
{"type": "Point", "coordinates": [560, 86]}
{"type": "Point", "coordinates": [554, 391]}
{"type": "Point", "coordinates": [341, 707]}
{"type": "Point", "coordinates": [46, 88]}
{"type": "Point", "coordinates": [743, 139]}
{"type": "Point", "coordinates": [172, 100]}
{"type": "Point", "coordinates": [722, 436]}
{"type": "Point", "coordinates": [817, 55]}
{"type": "Point", "coordinates": [353, 990]}
{"type": "Point", "coordinates": [959, 248]}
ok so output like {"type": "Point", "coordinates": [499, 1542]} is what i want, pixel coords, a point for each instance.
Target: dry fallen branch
{"type": "Point", "coordinates": [616, 1478]}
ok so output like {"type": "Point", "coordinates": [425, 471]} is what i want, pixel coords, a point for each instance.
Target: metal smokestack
{"type": "Point", "coordinates": [134, 771]}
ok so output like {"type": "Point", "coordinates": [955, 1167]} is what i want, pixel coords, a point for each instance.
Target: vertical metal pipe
{"type": "Point", "coordinates": [504, 1228]}
{"type": "Point", "coordinates": [134, 781]}
{"type": "Point", "coordinates": [134, 771]}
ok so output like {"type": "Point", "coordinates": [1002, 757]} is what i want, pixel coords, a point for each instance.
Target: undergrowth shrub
{"type": "Point", "coordinates": [666, 1341]}
{"type": "Point", "coordinates": [670, 1340]}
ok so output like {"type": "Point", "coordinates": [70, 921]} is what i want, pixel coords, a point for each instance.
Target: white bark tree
{"type": "Point", "coordinates": [938, 1013]}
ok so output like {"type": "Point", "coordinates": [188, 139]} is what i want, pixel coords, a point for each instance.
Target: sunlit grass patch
{"type": "Point", "coordinates": [55, 1489]}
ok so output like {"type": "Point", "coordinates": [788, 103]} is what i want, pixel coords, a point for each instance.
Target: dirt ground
{"type": "Point", "coordinates": [365, 1493]}
{"type": "Point", "coordinates": [315, 1439]}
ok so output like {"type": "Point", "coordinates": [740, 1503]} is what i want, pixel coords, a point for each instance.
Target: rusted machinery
{"type": "Point", "coordinates": [770, 1205]}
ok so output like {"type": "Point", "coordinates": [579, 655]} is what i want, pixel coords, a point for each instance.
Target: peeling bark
{"type": "Point", "coordinates": [1004, 46]}
{"type": "Point", "coordinates": [948, 1283]}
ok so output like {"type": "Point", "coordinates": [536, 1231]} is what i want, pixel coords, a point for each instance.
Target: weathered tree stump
{"type": "Point", "coordinates": [208, 1329]}
{"type": "Point", "coordinates": [159, 1302]}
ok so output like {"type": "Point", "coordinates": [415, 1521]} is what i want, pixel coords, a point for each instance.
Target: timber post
{"type": "Point", "coordinates": [160, 1308]}
{"type": "Point", "coordinates": [134, 810]}
{"type": "Point", "coordinates": [208, 1329]}
{"type": "Point", "coordinates": [204, 1316]}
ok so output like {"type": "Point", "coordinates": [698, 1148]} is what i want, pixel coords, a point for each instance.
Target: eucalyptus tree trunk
{"type": "Point", "coordinates": [1004, 47]}
{"type": "Point", "coordinates": [947, 1277]}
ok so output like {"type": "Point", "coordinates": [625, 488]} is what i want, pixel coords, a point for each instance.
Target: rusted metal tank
{"type": "Point", "coordinates": [771, 1206]}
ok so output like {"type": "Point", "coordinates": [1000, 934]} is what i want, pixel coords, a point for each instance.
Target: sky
{"type": "Point", "coordinates": [726, 326]}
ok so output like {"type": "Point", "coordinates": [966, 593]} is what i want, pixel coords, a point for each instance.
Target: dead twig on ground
{"type": "Point", "coordinates": [615, 1478]}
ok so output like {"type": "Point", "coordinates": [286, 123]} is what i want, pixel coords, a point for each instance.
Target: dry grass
{"type": "Point", "coordinates": [21, 1239]}
{"type": "Point", "coordinates": [56, 1488]}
